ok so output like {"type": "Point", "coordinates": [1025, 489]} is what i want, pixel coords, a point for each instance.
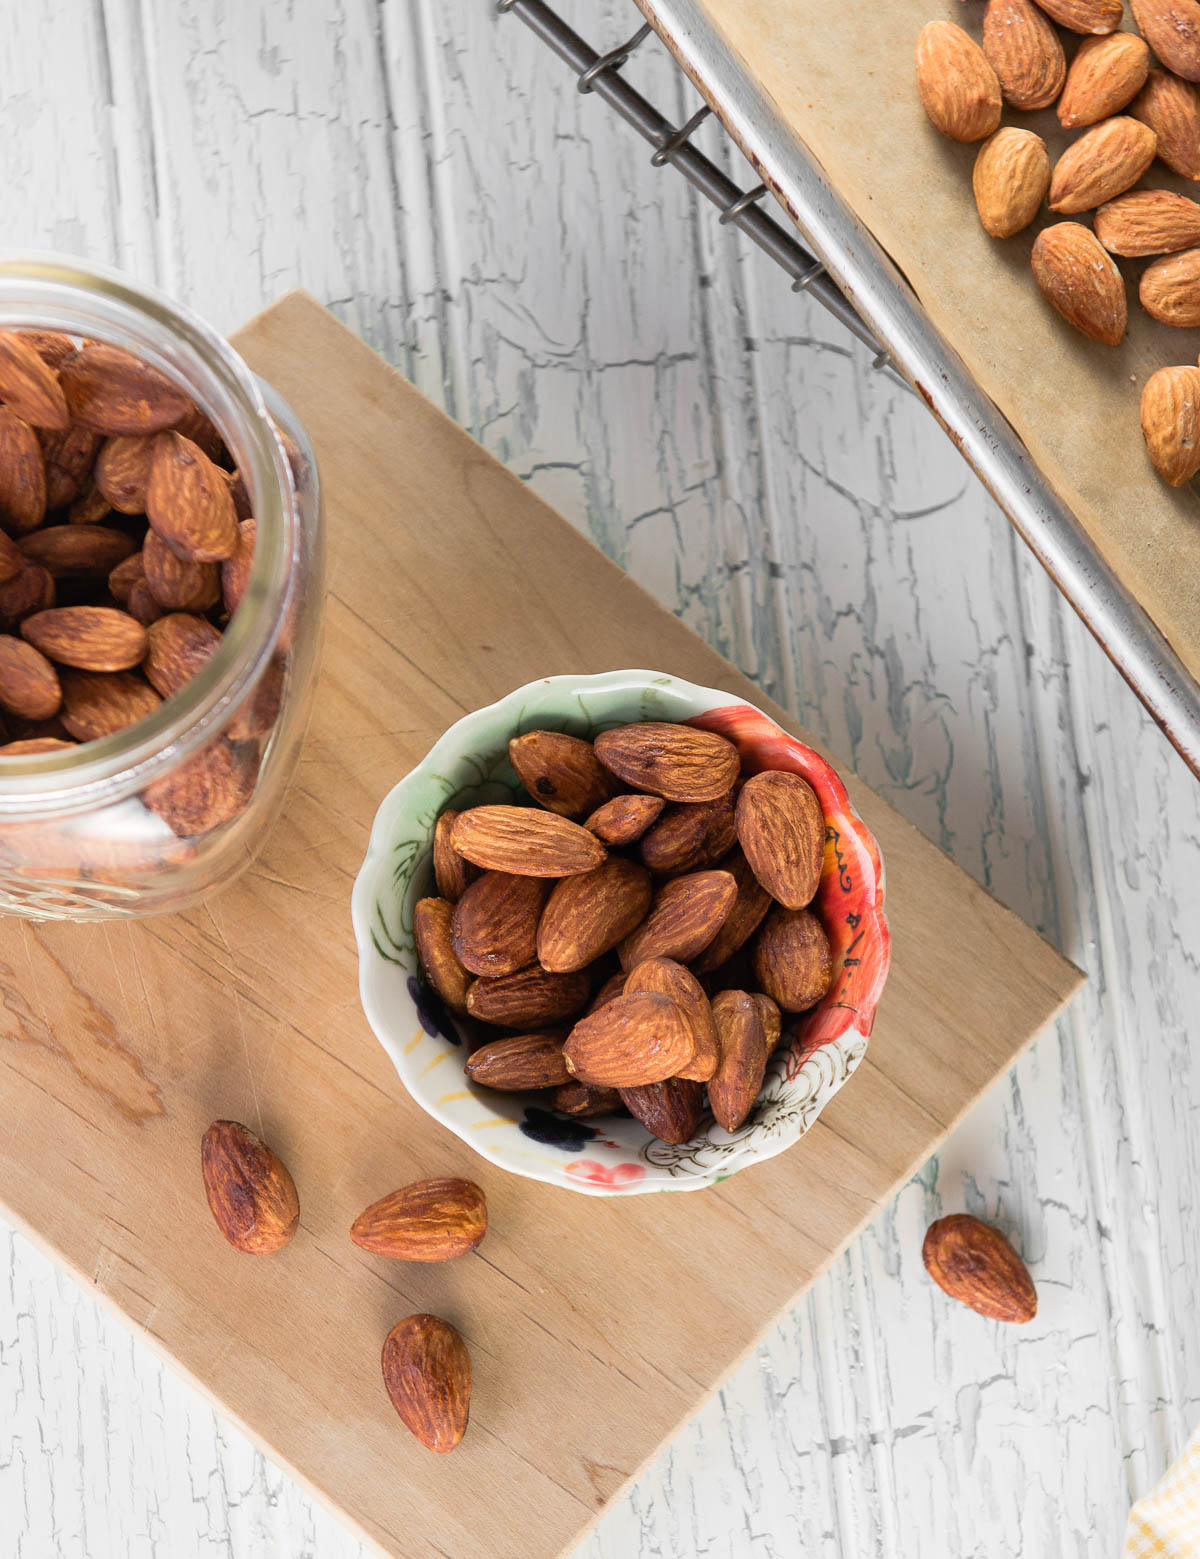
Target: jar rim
{"type": "Point", "coordinates": [56, 292]}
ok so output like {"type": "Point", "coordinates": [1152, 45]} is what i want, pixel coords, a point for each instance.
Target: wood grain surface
{"type": "Point", "coordinates": [595, 1327]}
{"type": "Point", "coordinates": [434, 176]}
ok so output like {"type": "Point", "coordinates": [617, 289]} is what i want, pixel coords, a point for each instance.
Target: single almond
{"type": "Point", "coordinates": [624, 819]}
{"type": "Point", "coordinates": [142, 604]}
{"type": "Point", "coordinates": [1105, 76]}
{"type": "Point", "coordinates": [34, 745]}
{"type": "Point", "coordinates": [1170, 289]}
{"type": "Point", "coordinates": [12, 559]}
{"type": "Point", "coordinates": [50, 345]}
{"type": "Point", "coordinates": [588, 914]}
{"type": "Point", "coordinates": [1171, 423]}
{"type": "Point", "coordinates": [179, 584]}
{"type": "Point", "coordinates": [1172, 29]}
{"type": "Point", "coordinates": [1171, 108]}
{"type": "Point", "coordinates": [560, 772]}
{"type": "Point", "coordinates": [435, 948]}
{"type": "Point", "coordinates": [975, 1264]}
{"type": "Point", "coordinates": [111, 391]}
{"type": "Point", "coordinates": [749, 908]}
{"type": "Point", "coordinates": [578, 1100]}
{"type": "Point", "coordinates": [1078, 277]}
{"type": "Point", "coordinates": [690, 836]}
{"type": "Point", "coordinates": [742, 1043]}
{"type": "Point", "coordinates": [22, 475]}
{"type": "Point", "coordinates": [29, 685]}
{"type": "Point", "coordinates": [1011, 177]}
{"type": "Point", "coordinates": [427, 1375]}
{"type": "Point", "coordinates": [678, 762]}
{"type": "Point", "coordinates": [495, 922]}
{"type": "Point", "coordinates": [1148, 221]}
{"type": "Point", "coordinates": [772, 1018]}
{"type": "Point", "coordinates": [1024, 50]}
{"type": "Point", "coordinates": [90, 638]}
{"type": "Point", "coordinates": [212, 787]}
{"type": "Point", "coordinates": [70, 455]}
{"type": "Point", "coordinates": [1104, 162]}
{"type": "Point", "coordinates": [202, 431]}
{"type": "Point", "coordinates": [180, 645]}
{"type": "Point", "coordinates": [96, 705]}
{"type": "Point", "coordinates": [32, 590]}
{"type": "Point", "coordinates": [452, 873]}
{"type": "Point", "coordinates": [1086, 16]}
{"type": "Point", "coordinates": [522, 1064]}
{"type": "Point", "coordinates": [526, 841]}
{"type": "Point", "coordinates": [793, 962]}
{"type": "Point", "coordinates": [89, 508]}
{"type": "Point", "coordinates": [28, 385]}
{"type": "Point", "coordinates": [78, 551]}
{"type": "Point", "coordinates": [529, 999]}
{"type": "Point", "coordinates": [250, 1193]}
{"type": "Point", "coordinates": [431, 1220]}
{"type": "Point", "coordinates": [122, 471]}
{"type": "Point", "coordinates": [235, 570]}
{"type": "Point", "coordinates": [258, 713]}
{"type": "Point", "coordinates": [686, 914]}
{"type": "Point", "coordinates": [959, 89]}
{"type": "Point", "coordinates": [188, 502]}
{"type": "Point", "coordinates": [671, 979]}
{"type": "Point", "coordinates": [240, 495]}
{"type": "Point", "coordinates": [636, 1039]}
{"type": "Point", "coordinates": [670, 1110]}
{"type": "Point", "coordinates": [124, 576]}
{"type": "Point", "coordinates": [781, 829]}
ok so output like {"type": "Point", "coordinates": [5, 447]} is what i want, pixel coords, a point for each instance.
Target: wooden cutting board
{"type": "Point", "coordinates": [450, 584]}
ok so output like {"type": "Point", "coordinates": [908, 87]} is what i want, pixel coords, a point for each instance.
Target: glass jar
{"type": "Point", "coordinates": [158, 815]}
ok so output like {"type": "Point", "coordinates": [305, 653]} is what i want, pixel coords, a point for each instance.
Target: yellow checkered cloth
{"type": "Point", "coordinates": [1165, 1524]}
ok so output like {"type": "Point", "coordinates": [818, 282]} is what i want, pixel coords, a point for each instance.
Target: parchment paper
{"type": "Point", "coordinates": [843, 78]}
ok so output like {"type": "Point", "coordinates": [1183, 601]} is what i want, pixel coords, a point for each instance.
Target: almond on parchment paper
{"type": "Point", "coordinates": [1105, 75]}
{"type": "Point", "coordinates": [677, 762]}
{"type": "Point", "coordinates": [525, 841]}
{"type": "Point", "coordinates": [588, 914]}
{"type": "Point", "coordinates": [97, 704]}
{"type": "Point", "coordinates": [793, 962]}
{"type": "Point", "coordinates": [686, 914]}
{"type": "Point", "coordinates": [430, 1220]}
{"type": "Point", "coordinates": [975, 1264]}
{"type": "Point", "coordinates": [743, 1047]}
{"type": "Point", "coordinates": [560, 772]}
{"type": "Point", "coordinates": [29, 684]}
{"type": "Point", "coordinates": [690, 835]}
{"type": "Point", "coordinates": [180, 645]}
{"type": "Point", "coordinates": [111, 391]}
{"type": "Point", "coordinates": [1010, 180]}
{"type": "Point", "coordinates": [670, 1110]}
{"type": "Point", "coordinates": [78, 551]}
{"type": "Point", "coordinates": [781, 829]}
{"type": "Point", "coordinates": [452, 872]}
{"type": "Point", "coordinates": [1172, 29]}
{"type": "Point", "coordinates": [671, 979]}
{"type": "Point", "coordinates": [1086, 16]}
{"type": "Point", "coordinates": [28, 384]}
{"type": "Point", "coordinates": [188, 501]}
{"type": "Point", "coordinates": [1171, 107]}
{"type": "Point", "coordinates": [494, 924]}
{"type": "Point", "coordinates": [635, 1039]}
{"type": "Point", "coordinates": [91, 638]}
{"type": "Point", "coordinates": [435, 948]}
{"type": "Point", "coordinates": [1171, 423]}
{"type": "Point", "coordinates": [22, 475]}
{"type": "Point", "coordinates": [521, 1064]}
{"type": "Point", "coordinates": [427, 1375]}
{"type": "Point", "coordinates": [624, 819]}
{"type": "Point", "coordinates": [176, 583]}
{"type": "Point", "coordinates": [1104, 162]}
{"type": "Point", "coordinates": [749, 907]}
{"type": "Point", "coordinates": [1023, 49]}
{"type": "Point", "coordinates": [1079, 278]}
{"type": "Point", "coordinates": [1148, 221]}
{"type": "Point", "coordinates": [250, 1193]}
{"type": "Point", "coordinates": [1170, 289]}
{"type": "Point", "coordinates": [959, 89]}
{"type": "Point", "coordinates": [529, 998]}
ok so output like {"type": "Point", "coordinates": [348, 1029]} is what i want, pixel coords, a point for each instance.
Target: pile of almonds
{"type": "Point", "coordinates": [637, 934]}
{"type": "Point", "coordinates": [1130, 110]}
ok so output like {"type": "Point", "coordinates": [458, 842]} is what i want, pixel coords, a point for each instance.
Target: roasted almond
{"type": "Point", "coordinates": [1023, 49]}
{"type": "Point", "coordinates": [28, 385]}
{"type": "Point", "coordinates": [587, 915]}
{"type": "Point", "coordinates": [78, 551]}
{"type": "Point", "coordinates": [772, 1018]}
{"type": "Point", "coordinates": [686, 914]}
{"type": "Point", "coordinates": [959, 89]}
{"type": "Point", "coordinates": [690, 836]}
{"type": "Point", "coordinates": [124, 576]}
{"type": "Point", "coordinates": [1170, 289]}
{"type": "Point", "coordinates": [749, 907]}
{"type": "Point", "coordinates": [202, 431]}
{"type": "Point", "coordinates": [235, 570]}
{"type": "Point", "coordinates": [742, 1043]}
{"type": "Point", "coordinates": [1099, 16]}
{"type": "Point", "coordinates": [577, 1099]}
{"type": "Point", "coordinates": [258, 713]}
{"type": "Point", "coordinates": [525, 841]}
{"type": "Point", "coordinates": [431, 1220]}
{"type": "Point", "coordinates": [521, 1064]}
{"type": "Point", "coordinates": [96, 705]}
{"type": "Point", "coordinates": [1148, 221]}
{"type": "Point", "coordinates": [452, 873]}
{"type": "Point", "coordinates": [111, 391]}
{"type": "Point", "coordinates": [495, 922]}
{"type": "Point", "coordinates": [1172, 29]}
{"type": "Point", "coordinates": [141, 603]}
{"type": "Point", "coordinates": [678, 762]}
{"type": "Point", "coordinates": [561, 773]}
{"type": "Point", "coordinates": [50, 345]}
{"type": "Point", "coordinates": [32, 590]}
{"type": "Point", "coordinates": [91, 638]}
{"type": "Point", "coordinates": [122, 471]}
{"type": "Point", "coordinates": [435, 948]}
{"type": "Point", "coordinates": [1105, 75]}
{"type": "Point", "coordinates": [176, 583]}
{"type": "Point", "coordinates": [670, 1110]}
{"type": "Point", "coordinates": [29, 684]}
{"type": "Point", "coordinates": [1104, 162]}
{"type": "Point", "coordinates": [12, 559]}
{"type": "Point", "coordinates": [975, 1264]}
{"type": "Point", "coordinates": [1011, 177]}
{"type": "Point", "coordinates": [22, 475]}
{"type": "Point", "coordinates": [35, 744]}
{"type": "Point", "coordinates": [250, 1193]}
{"type": "Point", "coordinates": [210, 788]}
{"type": "Point", "coordinates": [669, 978]}
{"type": "Point", "coordinates": [89, 508]}
{"type": "Point", "coordinates": [1171, 423]}
{"type": "Point", "coordinates": [781, 829]}
{"type": "Point", "coordinates": [1171, 108]}
{"type": "Point", "coordinates": [180, 645]}
{"type": "Point", "coordinates": [188, 501]}
{"type": "Point", "coordinates": [793, 962]}
{"type": "Point", "coordinates": [624, 819]}
{"type": "Point", "coordinates": [531, 998]}
{"type": "Point", "coordinates": [1078, 277]}
{"type": "Point", "coordinates": [636, 1039]}
{"type": "Point", "coordinates": [427, 1375]}
{"type": "Point", "coordinates": [70, 455]}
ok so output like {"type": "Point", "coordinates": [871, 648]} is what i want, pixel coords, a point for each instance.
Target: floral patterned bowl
{"type": "Point", "coordinates": [469, 765]}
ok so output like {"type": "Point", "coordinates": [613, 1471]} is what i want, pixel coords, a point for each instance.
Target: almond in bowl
{"type": "Point", "coordinates": [621, 934]}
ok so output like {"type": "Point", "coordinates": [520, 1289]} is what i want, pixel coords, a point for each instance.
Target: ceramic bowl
{"type": "Point", "coordinates": [607, 1157]}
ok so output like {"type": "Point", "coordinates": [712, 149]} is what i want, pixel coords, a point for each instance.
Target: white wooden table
{"type": "Point", "coordinates": [431, 172]}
